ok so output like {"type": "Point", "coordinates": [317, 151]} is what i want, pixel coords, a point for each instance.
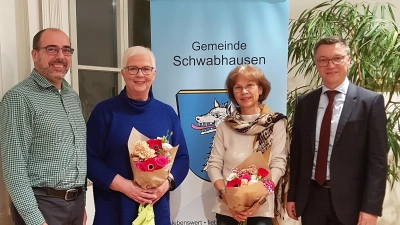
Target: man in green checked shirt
{"type": "Point", "coordinates": [43, 139]}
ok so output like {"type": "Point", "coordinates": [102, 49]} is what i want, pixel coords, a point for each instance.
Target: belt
{"type": "Point", "coordinates": [68, 195]}
{"type": "Point", "coordinates": [326, 184]}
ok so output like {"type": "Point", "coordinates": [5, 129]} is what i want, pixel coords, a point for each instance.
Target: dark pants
{"type": "Point", "coordinates": [56, 211]}
{"type": "Point", "coordinates": [319, 209]}
{"type": "Point", "coordinates": [227, 220]}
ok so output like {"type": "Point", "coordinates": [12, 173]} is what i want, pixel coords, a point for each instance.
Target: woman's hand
{"type": "Point", "coordinates": [160, 191]}
{"type": "Point", "coordinates": [223, 198]}
{"type": "Point", "coordinates": [133, 191]}
{"type": "Point", "coordinates": [239, 216]}
{"type": "Point", "coordinates": [253, 210]}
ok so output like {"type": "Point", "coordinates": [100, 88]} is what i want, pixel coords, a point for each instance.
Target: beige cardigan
{"type": "Point", "coordinates": [231, 148]}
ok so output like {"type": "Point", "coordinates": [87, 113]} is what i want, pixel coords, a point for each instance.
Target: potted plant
{"type": "Point", "coordinates": [374, 41]}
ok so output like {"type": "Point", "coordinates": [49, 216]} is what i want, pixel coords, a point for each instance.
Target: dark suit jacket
{"type": "Point", "coordinates": [358, 162]}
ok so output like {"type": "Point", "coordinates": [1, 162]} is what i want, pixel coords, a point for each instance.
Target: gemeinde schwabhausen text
{"type": "Point", "coordinates": [218, 60]}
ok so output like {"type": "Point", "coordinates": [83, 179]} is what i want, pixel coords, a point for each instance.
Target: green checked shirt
{"type": "Point", "coordinates": [42, 141]}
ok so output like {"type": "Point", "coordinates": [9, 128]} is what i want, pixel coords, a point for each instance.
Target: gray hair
{"type": "Point", "coordinates": [135, 50]}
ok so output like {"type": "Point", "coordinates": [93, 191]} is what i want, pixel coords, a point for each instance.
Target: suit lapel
{"type": "Point", "coordinates": [314, 102]}
{"type": "Point", "coordinates": [349, 103]}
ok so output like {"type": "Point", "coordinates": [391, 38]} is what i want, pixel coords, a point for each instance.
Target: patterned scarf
{"type": "Point", "coordinates": [262, 127]}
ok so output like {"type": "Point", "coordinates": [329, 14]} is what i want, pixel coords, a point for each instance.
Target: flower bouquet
{"type": "Point", "coordinates": [151, 161]}
{"type": "Point", "coordinates": [248, 183]}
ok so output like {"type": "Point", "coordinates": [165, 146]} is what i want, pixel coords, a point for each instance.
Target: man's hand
{"type": "Point", "coordinates": [367, 219]}
{"type": "Point", "coordinates": [84, 217]}
{"type": "Point", "coordinates": [291, 210]}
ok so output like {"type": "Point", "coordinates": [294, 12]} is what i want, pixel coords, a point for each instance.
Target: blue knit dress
{"type": "Point", "coordinates": [108, 130]}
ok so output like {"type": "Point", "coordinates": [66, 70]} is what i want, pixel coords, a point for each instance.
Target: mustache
{"type": "Point", "coordinates": [60, 61]}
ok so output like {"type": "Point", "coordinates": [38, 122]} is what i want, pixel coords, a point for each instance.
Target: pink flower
{"type": "Point", "coordinates": [245, 177]}
{"type": "Point", "coordinates": [269, 185]}
{"type": "Point", "coordinates": [160, 161]}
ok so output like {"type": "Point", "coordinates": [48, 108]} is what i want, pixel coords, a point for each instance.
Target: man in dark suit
{"type": "Point", "coordinates": [349, 187]}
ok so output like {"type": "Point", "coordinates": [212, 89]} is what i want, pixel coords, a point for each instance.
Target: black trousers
{"type": "Point", "coordinates": [319, 209]}
{"type": "Point", "coordinates": [227, 220]}
{"type": "Point", "coordinates": [56, 211]}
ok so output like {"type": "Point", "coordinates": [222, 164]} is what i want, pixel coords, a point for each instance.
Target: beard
{"type": "Point", "coordinates": [49, 71]}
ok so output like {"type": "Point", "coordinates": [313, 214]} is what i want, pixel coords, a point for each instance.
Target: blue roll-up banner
{"type": "Point", "coordinates": [196, 44]}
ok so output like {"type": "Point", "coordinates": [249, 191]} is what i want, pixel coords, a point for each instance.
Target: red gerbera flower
{"type": "Point", "coordinates": [154, 144]}
{"type": "Point", "coordinates": [262, 172]}
{"type": "Point", "coordinates": [234, 183]}
{"type": "Point", "coordinates": [149, 165]}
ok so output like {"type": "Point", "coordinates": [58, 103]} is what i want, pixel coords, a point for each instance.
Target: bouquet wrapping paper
{"type": "Point", "coordinates": [153, 178]}
{"type": "Point", "coordinates": [243, 197]}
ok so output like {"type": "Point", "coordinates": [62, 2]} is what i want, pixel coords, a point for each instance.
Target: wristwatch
{"type": "Point", "coordinates": [221, 192]}
{"type": "Point", "coordinates": [262, 200]}
{"type": "Point", "coordinates": [171, 183]}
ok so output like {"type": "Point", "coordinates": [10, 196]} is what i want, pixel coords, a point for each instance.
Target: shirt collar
{"type": "Point", "coordinates": [41, 81]}
{"type": "Point", "coordinates": [342, 88]}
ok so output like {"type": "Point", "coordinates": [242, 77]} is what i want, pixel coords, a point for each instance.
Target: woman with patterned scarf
{"type": "Point", "coordinates": [251, 127]}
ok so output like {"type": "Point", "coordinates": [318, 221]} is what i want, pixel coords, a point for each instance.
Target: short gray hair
{"type": "Point", "coordinates": [135, 50]}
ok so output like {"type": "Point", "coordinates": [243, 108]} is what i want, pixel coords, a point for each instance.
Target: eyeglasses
{"type": "Point", "coordinates": [53, 50]}
{"type": "Point", "coordinates": [248, 87]}
{"type": "Point", "coordinates": [133, 70]}
{"type": "Point", "coordinates": [335, 60]}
